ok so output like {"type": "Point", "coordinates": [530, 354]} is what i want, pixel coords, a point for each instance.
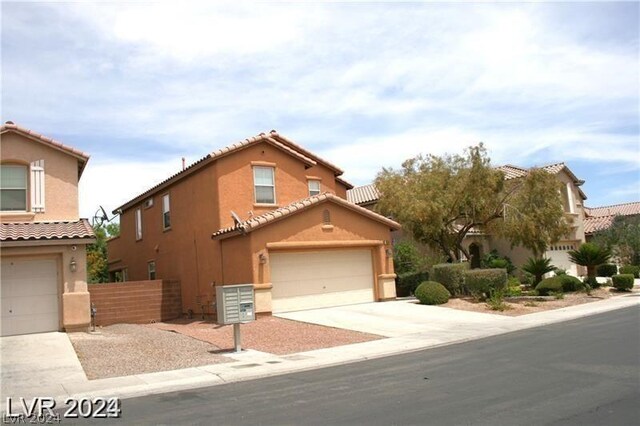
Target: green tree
{"type": "Point", "coordinates": [439, 199]}
{"type": "Point", "coordinates": [538, 266]}
{"type": "Point", "coordinates": [623, 238]}
{"type": "Point", "coordinates": [591, 256]}
{"type": "Point", "coordinates": [97, 268]}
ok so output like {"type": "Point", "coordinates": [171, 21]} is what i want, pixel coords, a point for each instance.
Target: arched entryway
{"type": "Point", "coordinates": [475, 253]}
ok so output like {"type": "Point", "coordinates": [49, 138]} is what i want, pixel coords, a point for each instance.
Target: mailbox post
{"type": "Point", "coordinates": [235, 304]}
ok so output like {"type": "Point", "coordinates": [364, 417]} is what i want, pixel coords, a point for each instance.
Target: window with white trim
{"type": "Point", "coordinates": [314, 187]}
{"type": "Point", "coordinates": [138, 224]}
{"type": "Point", "coordinates": [13, 187]}
{"type": "Point", "coordinates": [166, 212]}
{"type": "Point", "coordinates": [151, 268]}
{"type": "Point", "coordinates": [264, 184]}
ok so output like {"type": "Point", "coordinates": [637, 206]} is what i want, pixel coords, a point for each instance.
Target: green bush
{"type": "Point", "coordinates": [607, 270]}
{"type": "Point", "coordinates": [549, 285]}
{"type": "Point", "coordinates": [493, 260]}
{"type": "Point", "coordinates": [496, 301]}
{"type": "Point", "coordinates": [570, 283]}
{"type": "Point", "coordinates": [591, 282]}
{"type": "Point", "coordinates": [631, 269]}
{"type": "Point", "coordinates": [450, 275]}
{"type": "Point", "coordinates": [407, 283]}
{"type": "Point", "coordinates": [623, 282]}
{"type": "Point", "coordinates": [480, 283]}
{"type": "Point", "coordinates": [406, 257]}
{"type": "Point", "coordinates": [513, 291]}
{"type": "Point", "coordinates": [432, 293]}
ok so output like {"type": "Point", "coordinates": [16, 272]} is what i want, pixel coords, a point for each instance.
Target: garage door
{"type": "Point", "coordinates": [306, 280]}
{"type": "Point", "coordinates": [29, 297]}
{"type": "Point", "coordinates": [559, 255]}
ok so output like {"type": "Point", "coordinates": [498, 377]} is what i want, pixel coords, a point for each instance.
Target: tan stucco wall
{"type": "Point", "coordinates": [74, 297]}
{"type": "Point", "coordinates": [200, 205]}
{"type": "Point", "coordinates": [61, 178]}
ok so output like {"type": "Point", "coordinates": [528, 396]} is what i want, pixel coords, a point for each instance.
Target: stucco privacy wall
{"type": "Point", "coordinates": [200, 205]}
{"type": "Point", "coordinates": [72, 286]}
{"type": "Point", "coordinates": [61, 183]}
{"type": "Point", "coordinates": [138, 302]}
{"type": "Point", "coordinates": [306, 231]}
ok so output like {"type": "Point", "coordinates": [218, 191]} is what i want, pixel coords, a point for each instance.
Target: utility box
{"type": "Point", "coordinates": [235, 304]}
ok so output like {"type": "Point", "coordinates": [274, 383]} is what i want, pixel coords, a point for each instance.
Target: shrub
{"type": "Point", "coordinates": [480, 283]}
{"type": "Point", "coordinates": [450, 275]}
{"type": "Point", "coordinates": [631, 269]}
{"type": "Point", "coordinates": [493, 260]}
{"type": "Point", "coordinates": [591, 256]}
{"type": "Point", "coordinates": [557, 294]}
{"type": "Point", "coordinates": [607, 270]}
{"type": "Point", "coordinates": [570, 283]}
{"type": "Point", "coordinates": [560, 271]}
{"type": "Point", "coordinates": [623, 282]}
{"type": "Point", "coordinates": [549, 285]}
{"type": "Point", "coordinates": [432, 293]}
{"type": "Point", "coordinates": [591, 282]}
{"type": "Point", "coordinates": [407, 283]}
{"type": "Point", "coordinates": [406, 257]}
{"type": "Point", "coordinates": [496, 301]}
{"type": "Point", "coordinates": [538, 267]}
{"type": "Point", "coordinates": [513, 291]}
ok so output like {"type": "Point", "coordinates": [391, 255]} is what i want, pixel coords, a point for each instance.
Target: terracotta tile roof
{"type": "Point", "coordinates": [82, 157]}
{"type": "Point", "coordinates": [597, 223]}
{"type": "Point", "coordinates": [37, 231]}
{"type": "Point", "coordinates": [365, 194]}
{"type": "Point", "coordinates": [272, 138]}
{"type": "Point", "coordinates": [512, 172]}
{"type": "Point", "coordinates": [626, 209]}
{"type": "Point", "coordinates": [281, 213]}
{"type": "Point", "coordinates": [600, 218]}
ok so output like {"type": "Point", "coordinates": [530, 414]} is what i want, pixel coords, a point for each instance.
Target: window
{"type": "Point", "coordinates": [314, 187]}
{"type": "Point", "coordinates": [166, 212]}
{"type": "Point", "coordinates": [13, 188]}
{"type": "Point", "coordinates": [138, 224]}
{"type": "Point", "coordinates": [151, 267]}
{"type": "Point", "coordinates": [264, 182]}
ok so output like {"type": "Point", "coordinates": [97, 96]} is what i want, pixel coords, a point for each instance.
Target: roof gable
{"type": "Point", "coordinates": [82, 157]}
{"type": "Point", "coordinates": [256, 222]}
{"type": "Point", "coordinates": [272, 138]}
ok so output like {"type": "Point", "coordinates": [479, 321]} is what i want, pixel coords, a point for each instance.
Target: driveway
{"type": "Point", "coordinates": [37, 362]}
{"type": "Point", "coordinates": [397, 318]}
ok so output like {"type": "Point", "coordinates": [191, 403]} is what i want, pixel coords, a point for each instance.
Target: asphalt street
{"type": "Point", "coordinates": [582, 372]}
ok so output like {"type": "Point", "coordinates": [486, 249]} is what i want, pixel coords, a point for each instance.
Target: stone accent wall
{"type": "Point", "coordinates": [136, 302]}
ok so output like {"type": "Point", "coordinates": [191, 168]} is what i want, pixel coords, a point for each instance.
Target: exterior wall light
{"type": "Point", "coordinates": [73, 266]}
{"type": "Point", "coordinates": [389, 252]}
{"type": "Point", "coordinates": [262, 258]}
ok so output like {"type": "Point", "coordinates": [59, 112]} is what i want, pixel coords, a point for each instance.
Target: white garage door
{"type": "Point", "coordinates": [307, 280]}
{"type": "Point", "coordinates": [559, 255]}
{"type": "Point", "coordinates": [29, 296]}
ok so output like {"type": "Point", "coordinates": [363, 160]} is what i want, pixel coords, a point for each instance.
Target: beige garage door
{"type": "Point", "coordinates": [319, 279]}
{"type": "Point", "coordinates": [29, 296]}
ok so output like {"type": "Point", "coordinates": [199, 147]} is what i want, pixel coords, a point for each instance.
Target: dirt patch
{"type": "Point", "coordinates": [268, 334]}
{"type": "Point", "coordinates": [523, 306]}
{"type": "Point", "coordinates": [126, 349]}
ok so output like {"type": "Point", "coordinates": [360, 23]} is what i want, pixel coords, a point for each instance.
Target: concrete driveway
{"type": "Point", "coordinates": [37, 362]}
{"type": "Point", "coordinates": [398, 318]}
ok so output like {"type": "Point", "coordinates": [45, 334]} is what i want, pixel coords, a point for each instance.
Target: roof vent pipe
{"type": "Point", "coordinates": [183, 164]}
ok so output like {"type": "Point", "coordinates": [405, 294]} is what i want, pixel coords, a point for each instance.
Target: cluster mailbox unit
{"type": "Point", "coordinates": [235, 304]}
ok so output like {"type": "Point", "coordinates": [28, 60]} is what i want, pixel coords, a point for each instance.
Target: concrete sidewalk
{"type": "Point", "coordinates": [420, 327]}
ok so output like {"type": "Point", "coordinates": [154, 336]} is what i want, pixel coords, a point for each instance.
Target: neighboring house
{"type": "Point", "coordinates": [42, 239]}
{"type": "Point", "coordinates": [263, 211]}
{"type": "Point", "coordinates": [601, 218]}
{"type": "Point", "coordinates": [479, 244]}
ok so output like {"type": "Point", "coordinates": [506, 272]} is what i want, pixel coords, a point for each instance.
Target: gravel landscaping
{"type": "Point", "coordinates": [268, 334]}
{"type": "Point", "coordinates": [523, 306]}
{"type": "Point", "coordinates": [126, 349]}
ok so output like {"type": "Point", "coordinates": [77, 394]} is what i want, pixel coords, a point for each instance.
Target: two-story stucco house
{"type": "Point", "coordinates": [263, 211]}
{"type": "Point", "coordinates": [479, 243]}
{"type": "Point", "coordinates": [42, 239]}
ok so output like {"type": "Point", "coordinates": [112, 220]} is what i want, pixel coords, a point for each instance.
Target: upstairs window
{"type": "Point", "coordinates": [138, 224]}
{"type": "Point", "coordinates": [13, 188]}
{"type": "Point", "coordinates": [166, 212]}
{"type": "Point", "coordinates": [264, 184]}
{"type": "Point", "coordinates": [314, 187]}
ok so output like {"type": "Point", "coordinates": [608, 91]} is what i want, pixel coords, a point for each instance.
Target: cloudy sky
{"type": "Point", "coordinates": [365, 85]}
